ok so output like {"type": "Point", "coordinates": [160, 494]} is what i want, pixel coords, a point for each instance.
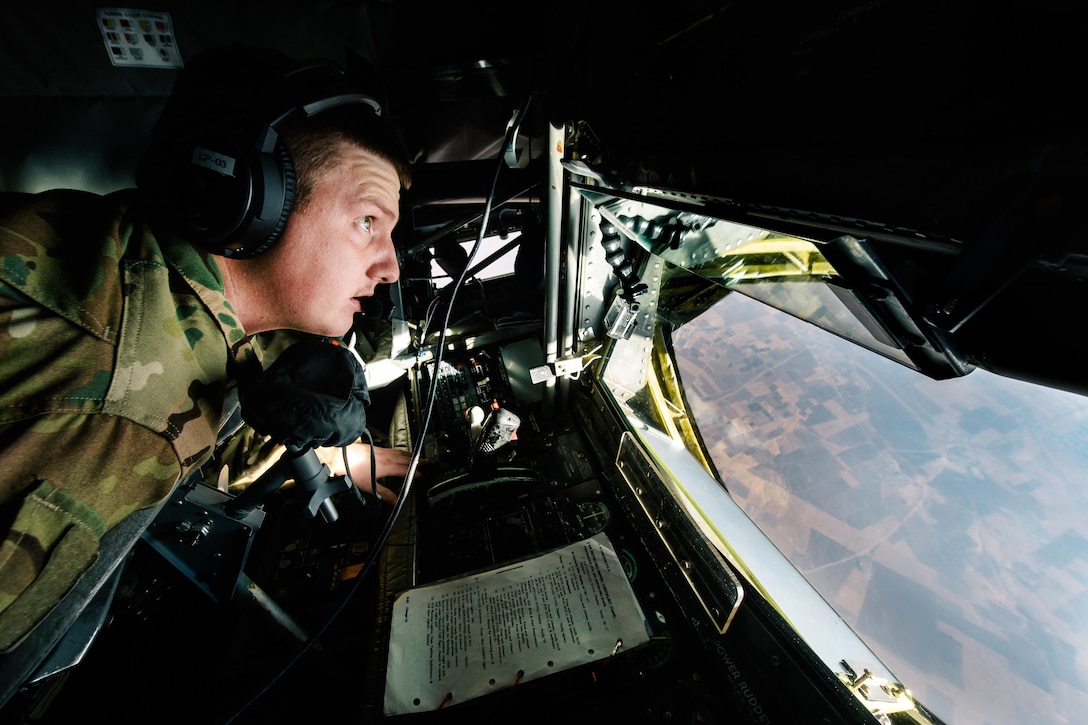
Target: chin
{"type": "Point", "coordinates": [327, 328]}
{"type": "Point", "coordinates": [340, 329]}
{"type": "Point", "coordinates": [331, 319]}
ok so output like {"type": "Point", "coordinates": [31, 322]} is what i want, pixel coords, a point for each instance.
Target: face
{"type": "Point", "coordinates": [339, 247]}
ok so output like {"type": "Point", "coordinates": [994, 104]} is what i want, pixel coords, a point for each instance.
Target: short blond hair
{"type": "Point", "coordinates": [314, 144]}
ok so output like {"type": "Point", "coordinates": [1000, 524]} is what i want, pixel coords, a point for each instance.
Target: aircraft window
{"type": "Point", "coordinates": [792, 275]}
{"type": "Point", "coordinates": [495, 258]}
{"type": "Point", "coordinates": [943, 520]}
{"type": "Point", "coordinates": [784, 271]}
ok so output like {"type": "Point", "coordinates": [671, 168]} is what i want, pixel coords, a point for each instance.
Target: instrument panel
{"type": "Point", "coordinates": [709, 659]}
{"type": "Point", "coordinates": [535, 493]}
{"type": "Point", "coordinates": [539, 492]}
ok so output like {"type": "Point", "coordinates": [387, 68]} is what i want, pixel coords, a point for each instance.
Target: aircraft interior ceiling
{"type": "Point", "coordinates": [951, 124]}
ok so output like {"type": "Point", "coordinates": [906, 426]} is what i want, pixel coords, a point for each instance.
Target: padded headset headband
{"type": "Point", "coordinates": [226, 182]}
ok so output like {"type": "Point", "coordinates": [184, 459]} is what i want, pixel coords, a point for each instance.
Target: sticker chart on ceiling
{"type": "Point", "coordinates": [139, 38]}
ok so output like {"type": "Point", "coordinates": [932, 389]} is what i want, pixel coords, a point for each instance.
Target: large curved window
{"type": "Point", "coordinates": [945, 520]}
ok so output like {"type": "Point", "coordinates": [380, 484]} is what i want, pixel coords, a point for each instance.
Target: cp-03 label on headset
{"type": "Point", "coordinates": [211, 160]}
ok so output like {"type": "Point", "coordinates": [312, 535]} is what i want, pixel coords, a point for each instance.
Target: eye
{"type": "Point", "coordinates": [365, 223]}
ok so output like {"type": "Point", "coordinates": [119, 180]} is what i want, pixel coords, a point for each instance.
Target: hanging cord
{"type": "Point", "coordinates": [373, 470]}
{"type": "Point", "coordinates": [413, 464]}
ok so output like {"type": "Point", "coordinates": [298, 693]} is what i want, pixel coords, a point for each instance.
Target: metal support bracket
{"type": "Point", "coordinates": [566, 368]}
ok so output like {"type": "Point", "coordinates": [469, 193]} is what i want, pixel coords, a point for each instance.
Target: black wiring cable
{"type": "Point", "coordinates": [373, 469]}
{"type": "Point", "coordinates": [413, 464]}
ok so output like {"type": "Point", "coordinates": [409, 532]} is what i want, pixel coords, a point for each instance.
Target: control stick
{"type": "Point", "coordinates": [314, 485]}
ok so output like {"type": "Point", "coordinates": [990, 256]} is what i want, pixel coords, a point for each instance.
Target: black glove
{"type": "Point", "coordinates": [314, 394]}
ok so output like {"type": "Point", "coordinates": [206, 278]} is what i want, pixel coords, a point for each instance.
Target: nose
{"type": "Point", "coordinates": [384, 266]}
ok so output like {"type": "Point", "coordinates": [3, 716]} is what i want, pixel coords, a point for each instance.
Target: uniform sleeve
{"type": "Point", "coordinates": [74, 476]}
{"type": "Point", "coordinates": [247, 457]}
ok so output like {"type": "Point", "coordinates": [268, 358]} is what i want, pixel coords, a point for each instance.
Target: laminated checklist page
{"type": "Point", "coordinates": [484, 632]}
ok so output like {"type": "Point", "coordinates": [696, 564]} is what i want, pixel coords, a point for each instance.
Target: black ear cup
{"type": "Point", "coordinates": [227, 199]}
{"type": "Point", "coordinates": [218, 174]}
{"type": "Point", "coordinates": [290, 186]}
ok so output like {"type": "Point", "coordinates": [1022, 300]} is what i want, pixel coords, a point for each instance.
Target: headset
{"type": "Point", "coordinates": [218, 174]}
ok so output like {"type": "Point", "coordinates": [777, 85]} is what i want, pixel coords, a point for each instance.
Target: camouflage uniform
{"type": "Point", "coordinates": [116, 357]}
